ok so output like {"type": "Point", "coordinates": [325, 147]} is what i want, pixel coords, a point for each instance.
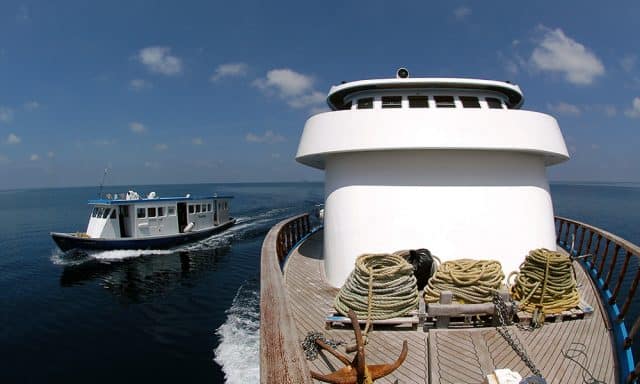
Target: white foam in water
{"type": "Point", "coordinates": [238, 351]}
{"type": "Point", "coordinates": [60, 258]}
{"type": "Point", "coordinates": [126, 254]}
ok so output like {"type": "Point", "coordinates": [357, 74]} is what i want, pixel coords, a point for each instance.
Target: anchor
{"type": "Point", "coordinates": [357, 371]}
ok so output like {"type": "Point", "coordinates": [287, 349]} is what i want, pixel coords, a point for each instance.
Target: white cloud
{"type": "Point", "coordinates": [556, 52]}
{"type": "Point", "coordinates": [34, 157]}
{"type": "Point", "coordinates": [295, 88]}
{"type": "Point", "coordinates": [6, 114]}
{"type": "Point", "coordinates": [268, 137]}
{"type": "Point", "coordinates": [139, 84]}
{"type": "Point", "coordinates": [151, 164]}
{"type": "Point", "coordinates": [595, 146]}
{"type": "Point", "coordinates": [197, 141]}
{"type": "Point", "coordinates": [286, 82]}
{"type": "Point", "coordinates": [461, 13]}
{"type": "Point", "coordinates": [137, 127]}
{"type": "Point", "coordinates": [628, 62]}
{"type": "Point", "coordinates": [310, 99]}
{"type": "Point", "coordinates": [634, 111]}
{"type": "Point", "coordinates": [229, 70]}
{"type": "Point", "coordinates": [51, 154]}
{"type": "Point", "coordinates": [4, 160]}
{"type": "Point", "coordinates": [563, 108]}
{"type": "Point", "coordinates": [13, 139]}
{"type": "Point", "coordinates": [31, 105]}
{"type": "Point", "coordinates": [159, 60]}
{"type": "Point", "coordinates": [275, 155]}
{"type": "Point", "coordinates": [161, 147]}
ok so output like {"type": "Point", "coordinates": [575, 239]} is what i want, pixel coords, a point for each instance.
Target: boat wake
{"type": "Point", "coordinates": [79, 257]}
{"type": "Point", "coordinates": [238, 351]}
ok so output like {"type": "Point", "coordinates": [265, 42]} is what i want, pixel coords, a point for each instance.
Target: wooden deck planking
{"type": "Point", "coordinates": [449, 355]}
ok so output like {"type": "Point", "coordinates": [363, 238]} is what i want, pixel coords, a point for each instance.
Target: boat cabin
{"type": "Point", "coordinates": [125, 216]}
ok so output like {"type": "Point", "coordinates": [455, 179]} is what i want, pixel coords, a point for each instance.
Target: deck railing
{"type": "Point", "coordinates": [613, 264]}
{"type": "Point", "coordinates": [281, 358]}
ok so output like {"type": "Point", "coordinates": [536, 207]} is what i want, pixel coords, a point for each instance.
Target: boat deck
{"type": "Point", "coordinates": [464, 355]}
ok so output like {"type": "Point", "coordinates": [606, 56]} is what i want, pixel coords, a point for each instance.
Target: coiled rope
{"type": "Point", "coordinates": [381, 286]}
{"type": "Point", "coordinates": [545, 282]}
{"type": "Point", "coordinates": [470, 281]}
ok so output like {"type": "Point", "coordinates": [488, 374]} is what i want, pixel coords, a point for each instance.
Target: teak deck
{"type": "Point", "coordinates": [464, 355]}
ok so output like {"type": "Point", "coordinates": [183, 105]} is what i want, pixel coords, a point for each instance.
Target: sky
{"type": "Point", "coordinates": [199, 92]}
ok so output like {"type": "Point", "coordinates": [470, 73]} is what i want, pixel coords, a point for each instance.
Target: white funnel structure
{"type": "Point", "coordinates": [451, 165]}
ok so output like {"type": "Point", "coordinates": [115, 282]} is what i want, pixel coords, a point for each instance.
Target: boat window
{"type": "Point", "coordinates": [141, 213]}
{"type": "Point", "coordinates": [160, 211]}
{"type": "Point", "coordinates": [444, 101]}
{"type": "Point", "coordinates": [171, 211]}
{"type": "Point", "coordinates": [191, 208]}
{"type": "Point", "coordinates": [418, 102]}
{"type": "Point", "coordinates": [100, 212]}
{"type": "Point", "coordinates": [204, 207]}
{"type": "Point", "coordinates": [345, 106]}
{"type": "Point", "coordinates": [198, 208]}
{"type": "Point", "coordinates": [95, 212]}
{"type": "Point", "coordinates": [105, 213]}
{"type": "Point", "coordinates": [391, 101]}
{"type": "Point", "coordinates": [151, 212]}
{"type": "Point", "coordinates": [470, 102]}
{"type": "Point", "coordinates": [226, 205]}
{"type": "Point", "coordinates": [494, 103]}
{"type": "Point", "coordinates": [209, 207]}
{"type": "Point", "coordinates": [366, 103]}
{"type": "Point", "coordinates": [113, 213]}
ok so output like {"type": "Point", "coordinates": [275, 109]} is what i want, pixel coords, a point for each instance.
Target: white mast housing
{"type": "Point", "coordinates": [447, 164]}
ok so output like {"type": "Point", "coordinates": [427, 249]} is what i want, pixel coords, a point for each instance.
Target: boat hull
{"type": "Point", "coordinates": [68, 241]}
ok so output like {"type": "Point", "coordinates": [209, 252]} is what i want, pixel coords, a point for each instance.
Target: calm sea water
{"type": "Point", "coordinates": [187, 315]}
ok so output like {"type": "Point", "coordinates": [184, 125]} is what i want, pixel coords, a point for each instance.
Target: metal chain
{"type": "Point", "coordinates": [311, 348]}
{"type": "Point", "coordinates": [504, 319]}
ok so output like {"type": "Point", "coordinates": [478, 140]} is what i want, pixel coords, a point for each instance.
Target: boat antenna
{"type": "Point", "coordinates": [104, 175]}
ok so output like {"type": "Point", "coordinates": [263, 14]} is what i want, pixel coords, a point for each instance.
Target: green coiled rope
{"type": "Point", "coordinates": [470, 281]}
{"type": "Point", "coordinates": [382, 286]}
{"type": "Point", "coordinates": [546, 282]}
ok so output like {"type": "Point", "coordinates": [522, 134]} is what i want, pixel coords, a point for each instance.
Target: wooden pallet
{"type": "Point", "coordinates": [582, 311]}
{"type": "Point", "coordinates": [411, 320]}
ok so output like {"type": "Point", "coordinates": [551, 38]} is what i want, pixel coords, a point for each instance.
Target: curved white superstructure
{"type": "Point", "coordinates": [446, 164]}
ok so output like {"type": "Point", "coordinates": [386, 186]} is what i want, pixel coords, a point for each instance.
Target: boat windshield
{"type": "Point", "coordinates": [105, 213]}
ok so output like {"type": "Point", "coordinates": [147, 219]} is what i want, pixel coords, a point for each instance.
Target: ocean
{"type": "Point", "coordinates": [189, 314]}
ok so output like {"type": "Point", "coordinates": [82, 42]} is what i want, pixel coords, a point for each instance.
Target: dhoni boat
{"type": "Point", "coordinates": [129, 221]}
{"type": "Point", "coordinates": [455, 168]}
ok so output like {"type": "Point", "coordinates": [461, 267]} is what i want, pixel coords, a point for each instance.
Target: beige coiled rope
{"type": "Point", "coordinates": [546, 282]}
{"type": "Point", "coordinates": [470, 281]}
{"type": "Point", "coordinates": [381, 286]}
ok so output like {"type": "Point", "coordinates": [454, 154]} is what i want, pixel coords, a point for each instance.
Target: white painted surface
{"type": "Point", "coordinates": [430, 128]}
{"type": "Point", "coordinates": [459, 204]}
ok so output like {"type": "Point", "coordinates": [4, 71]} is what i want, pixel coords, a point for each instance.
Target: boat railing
{"type": "Point", "coordinates": [281, 358]}
{"type": "Point", "coordinates": [600, 252]}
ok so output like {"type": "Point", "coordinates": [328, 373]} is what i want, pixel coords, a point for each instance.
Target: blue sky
{"type": "Point", "coordinates": [189, 92]}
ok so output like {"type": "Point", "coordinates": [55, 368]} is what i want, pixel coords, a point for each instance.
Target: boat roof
{"type": "Point", "coordinates": [154, 200]}
{"type": "Point", "coordinates": [512, 92]}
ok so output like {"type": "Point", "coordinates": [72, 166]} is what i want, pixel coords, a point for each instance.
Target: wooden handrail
{"type": "Point", "coordinates": [281, 358]}
{"type": "Point", "coordinates": [607, 247]}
